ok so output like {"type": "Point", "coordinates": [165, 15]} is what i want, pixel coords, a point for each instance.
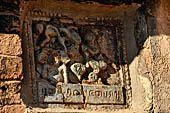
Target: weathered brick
{"type": "Point", "coordinates": [9, 92]}
{"type": "Point", "coordinates": [10, 68]}
{"type": "Point", "coordinates": [13, 109]}
{"type": "Point", "coordinates": [10, 44]}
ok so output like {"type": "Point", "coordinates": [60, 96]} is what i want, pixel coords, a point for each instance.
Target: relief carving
{"type": "Point", "coordinates": [72, 54]}
{"type": "Point", "coordinates": [78, 61]}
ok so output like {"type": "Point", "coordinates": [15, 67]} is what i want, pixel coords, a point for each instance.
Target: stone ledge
{"type": "Point", "coordinates": [13, 109]}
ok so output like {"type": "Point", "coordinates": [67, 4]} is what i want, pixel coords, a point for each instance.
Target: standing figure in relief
{"type": "Point", "coordinates": [64, 59]}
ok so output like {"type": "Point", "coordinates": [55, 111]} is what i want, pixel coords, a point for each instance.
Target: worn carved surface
{"type": "Point", "coordinates": [80, 61]}
{"type": "Point", "coordinates": [76, 54]}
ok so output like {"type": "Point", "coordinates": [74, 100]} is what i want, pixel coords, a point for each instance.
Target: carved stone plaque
{"type": "Point", "coordinates": [77, 60]}
{"type": "Point", "coordinates": [103, 94]}
{"type": "Point", "coordinates": [62, 93]}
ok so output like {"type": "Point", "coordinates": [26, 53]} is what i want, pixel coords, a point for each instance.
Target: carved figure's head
{"type": "Point", "coordinates": [90, 37]}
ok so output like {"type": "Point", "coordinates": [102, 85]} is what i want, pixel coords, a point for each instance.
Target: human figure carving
{"type": "Point", "coordinates": [69, 39]}
{"type": "Point", "coordinates": [63, 69]}
{"type": "Point", "coordinates": [72, 34]}
{"type": "Point", "coordinates": [51, 34]}
{"type": "Point", "coordinates": [91, 46]}
{"type": "Point", "coordinates": [55, 72]}
{"type": "Point", "coordinates": [38, 31]}
{"type": "Point", "coordinates": [72, 40]}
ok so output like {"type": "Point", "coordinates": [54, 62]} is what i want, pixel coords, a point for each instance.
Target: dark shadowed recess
{"type": "Point", "coordinates": [9, 16]}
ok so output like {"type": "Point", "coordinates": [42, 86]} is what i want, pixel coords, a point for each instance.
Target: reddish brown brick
{"type": "Point", "coordinates": [10, 92]}
{"type": "Point", "coordinates": [13, 109]}
{"type": "Point", "coordinates": [10, 68]}
{"type": "Point", "coordinates": [10, 44]}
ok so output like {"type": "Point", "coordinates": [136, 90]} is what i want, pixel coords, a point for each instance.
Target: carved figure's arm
{"type": "Point", "coordinates": [63, 71]}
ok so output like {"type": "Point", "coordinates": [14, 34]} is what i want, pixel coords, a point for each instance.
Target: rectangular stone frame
{"type": "Point", "coordinates": [30, 70]}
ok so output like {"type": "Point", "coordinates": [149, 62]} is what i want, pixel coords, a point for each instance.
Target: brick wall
{"type": "Point", "coordinates": [11, 74]}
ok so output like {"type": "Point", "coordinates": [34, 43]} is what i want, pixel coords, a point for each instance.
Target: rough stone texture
{"type": "Point", "coordinates": [10, 74]}
{"type": "Point", "coordinates": [10, 68]}
{"type": "Point", "coordinates": [13, 109]}
{"type": "Point", "coordinates": [160, 46]}
{"type": "Point", "coordinates": [161, 54]}
{"type": "Point", "coordinates": [139, 58]}
{"type": "Point", "coordinates": [9, 93]}
{"type": "Point", "coordinates": [10, 45]}
{"type": "Point", "coordinates": [145, 75]}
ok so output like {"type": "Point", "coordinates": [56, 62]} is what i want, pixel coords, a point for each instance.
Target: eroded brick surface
{"type": "Point", "coordinates": [13, 109]}
{"type": "Point", "coordinates": [10, 68]}
{"type": "Point", "coordinates": [10, 44]}
{"type": "Point", "coordinates": [10, 74]}
{"type": "Point", "coordinates": [10, 93]}
{"type": "Point", "coordinates": [161, 73]}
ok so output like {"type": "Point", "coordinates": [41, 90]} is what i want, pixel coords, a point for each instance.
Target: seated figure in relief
{"type": "Point", "coordinates": [54, 69]}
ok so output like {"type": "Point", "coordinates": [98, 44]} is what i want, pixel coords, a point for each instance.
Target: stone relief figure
{"type": "Point", "coordinates": [39, 28]}
{"type": "Point", "coordinates": [51, 34]}
{"type": "Point", "coordinates": [90, 48]}
{"type": "Point", "coordinates": [63, 69]}
{"type": "Point", "coordinates": [55, 71]}
{"type": "Point", "coordinates": [97, 66]}
{"type": "Point", "coordinates": [65, 55]}
{"type": "Point", "coordinates": [72, 41]}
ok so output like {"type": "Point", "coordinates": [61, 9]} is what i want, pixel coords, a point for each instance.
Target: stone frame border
{"type": "Point", "coordinates": [27, 36]}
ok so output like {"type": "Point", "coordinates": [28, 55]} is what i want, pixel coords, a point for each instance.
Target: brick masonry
{"type": "Point", "coordinates": [11, 74]}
